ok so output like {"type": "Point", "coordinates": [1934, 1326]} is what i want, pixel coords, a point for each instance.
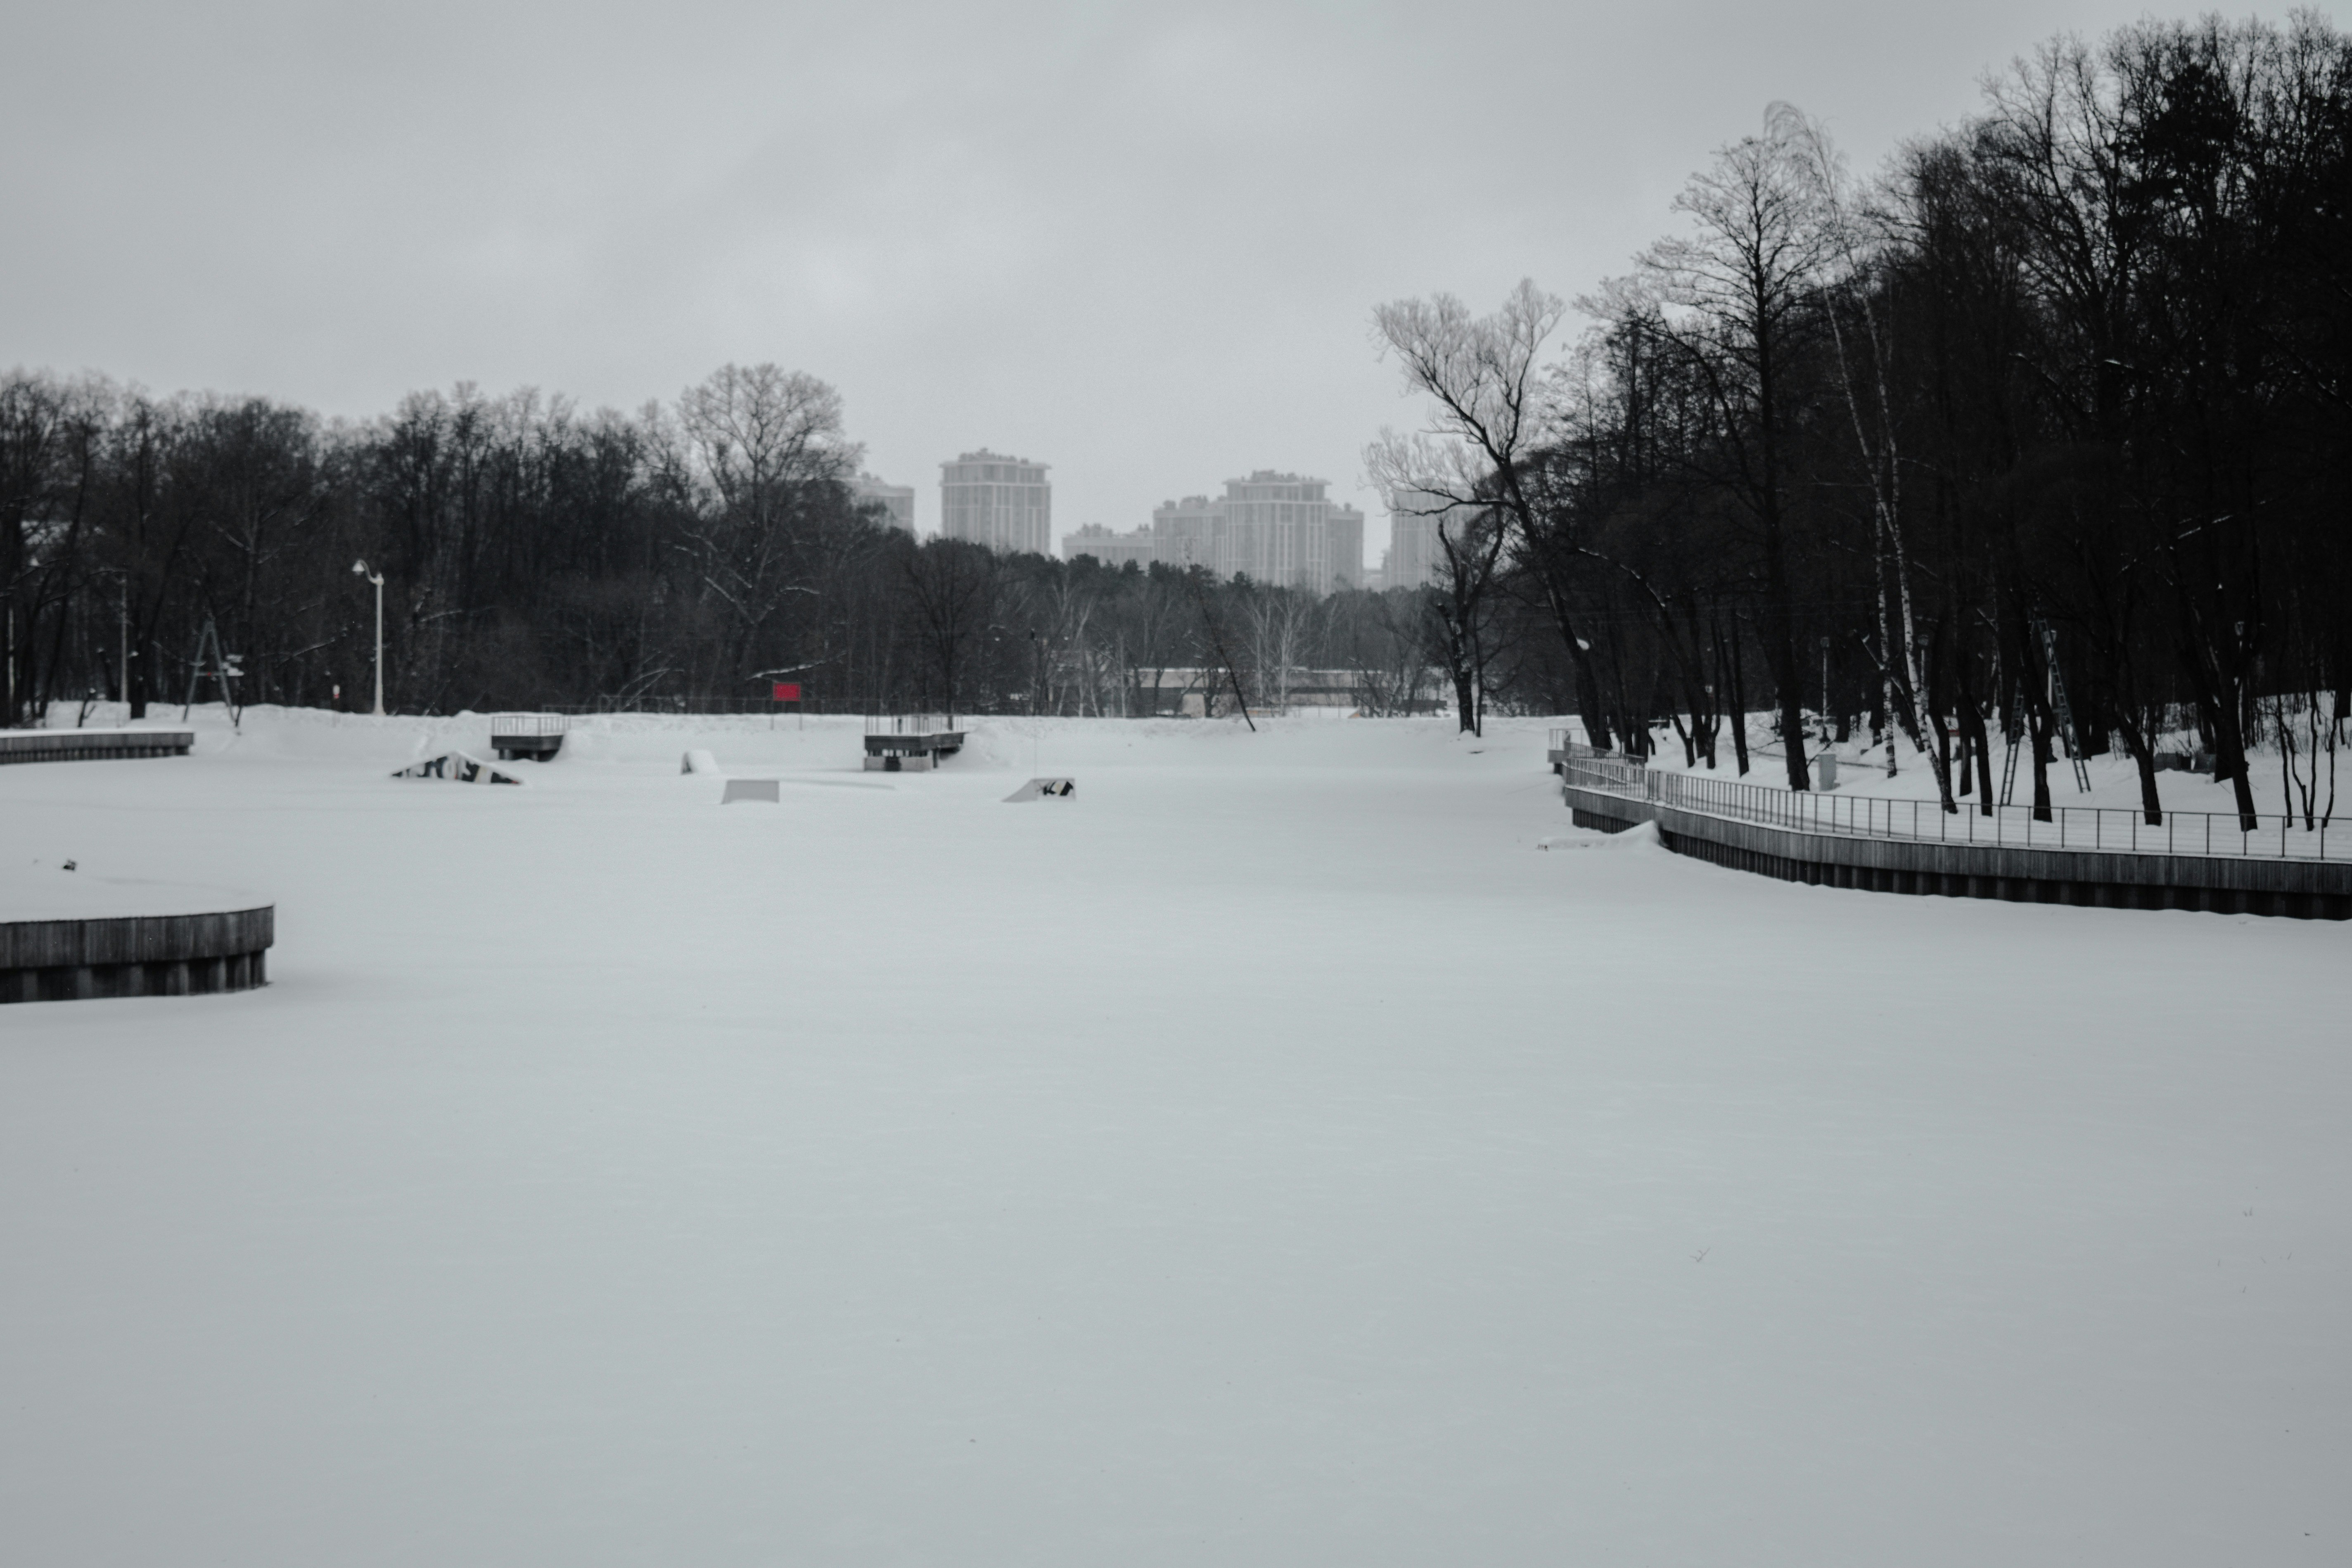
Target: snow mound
{"type": "Point", "coordinates": [1634, 840]}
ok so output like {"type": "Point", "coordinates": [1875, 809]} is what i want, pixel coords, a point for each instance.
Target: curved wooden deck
{"type": "Point", "coordinates": [91, 745]}
{"type": "Point", "coordinates": [73, 960]}
{"type": "Point", "coordinates": [2305, 890]}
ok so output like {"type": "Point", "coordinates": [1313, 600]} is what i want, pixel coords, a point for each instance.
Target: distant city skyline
{"type": "Point", "coordinates": [607, 212]}
{"type": "Point", "coordinates": [1272, 526]}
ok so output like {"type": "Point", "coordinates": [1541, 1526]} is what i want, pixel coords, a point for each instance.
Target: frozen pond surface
{"type": "Point", "coordinates": [1266, 1156]}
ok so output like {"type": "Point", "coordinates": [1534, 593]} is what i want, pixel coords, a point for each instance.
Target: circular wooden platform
{"type": "Point", "coordinates": [68, 936]}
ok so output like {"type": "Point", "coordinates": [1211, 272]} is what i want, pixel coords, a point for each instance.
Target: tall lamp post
{"type": "Point", "coordinates": [362, 568]}
{"type": "Point", "coordinates": [1825, 689]}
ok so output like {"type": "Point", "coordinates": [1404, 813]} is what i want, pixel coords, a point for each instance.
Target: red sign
{"type": "Point", "coordinates": [788, 692]}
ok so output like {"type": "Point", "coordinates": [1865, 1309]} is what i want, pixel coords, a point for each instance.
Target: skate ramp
{"type": "Point", "coordinates": [456, 767]}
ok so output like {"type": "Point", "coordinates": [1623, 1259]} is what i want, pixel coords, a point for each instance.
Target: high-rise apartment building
{"type": "Point", "coordinates": [1279, 528]}
{"type": "Point", "coordinates": [1110, 549]}
{"type": "Point", "coordinates": [1346, 526]}
{"type": "Point", "coordinates": [1185, 533]}
{"type": "Point", "coordinates": [897, 501]}
{"type": "Point", "coordinates": [1002, 502]}
{"type": "Point", "coordinates": [1415, 558]}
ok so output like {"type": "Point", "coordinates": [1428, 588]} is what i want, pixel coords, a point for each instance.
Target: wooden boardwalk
{"type": "Point", "coordinates": [2225, 884]}
{"type": "Point", "coordinates": [91, 745]}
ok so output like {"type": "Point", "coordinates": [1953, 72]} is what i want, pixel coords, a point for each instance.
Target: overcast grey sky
{"type": "Point", "coordinates": [1139, 243]}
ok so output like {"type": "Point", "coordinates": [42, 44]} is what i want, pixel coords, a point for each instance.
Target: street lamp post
{"type": "Point", "coordinates": [362, 568]}
{"type": "Point", "coordinates": [1825, 689]}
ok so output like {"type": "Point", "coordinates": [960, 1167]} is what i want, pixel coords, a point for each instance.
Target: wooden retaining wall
{"type": "Point", "coordinates": [145, 955]}
{"type": "Point", "coordinates": [93, 745]}
{"type": "Point", "coordinates": [2304, 890]}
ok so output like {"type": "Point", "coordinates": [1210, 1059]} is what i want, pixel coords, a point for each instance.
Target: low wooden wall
{"type": "Point", "coordinates": [93, 745]}
{"type": "Point", "coordinates": [2306, 890]}
{"type": "Point", "coordinates": [145, 955]}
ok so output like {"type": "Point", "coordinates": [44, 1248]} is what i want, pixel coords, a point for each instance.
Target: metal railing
{"type": "Point", "coordinates": [2112, 830]}
{"type": "Point", "coordinates": [1563, 740]}
{"type": "Point", "coordinates": [910, 724]}
{"type": "Point", "coordinates": [539, 723]}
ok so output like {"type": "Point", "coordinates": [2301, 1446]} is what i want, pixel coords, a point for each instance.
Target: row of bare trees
{"type": "Point", "coordinates": [692, 554]}
{"type": "Point", "coordinates": [2059, 400]}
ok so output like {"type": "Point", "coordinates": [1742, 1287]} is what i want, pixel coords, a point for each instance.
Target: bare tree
{"type": "Point", "coordinates": [1280, 624]}
{"type": "Point", "coordinates": [1871, 410]}
{"type": "Point", "coordinates": [1738, 295]}
{"type": "Point", "coordinates": [1479, 374]}
{"type": "Point", "coordinates": [952, 585]}
{"type": "Point", "coordinates": [759, 438]}
{"type": "Point", "coordinates": [35, 416]}
{"type": "Point", "coordinates": [1152, 637]}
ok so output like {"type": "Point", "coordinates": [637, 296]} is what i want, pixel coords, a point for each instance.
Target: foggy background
{"type": "Point", "coordinates": [1139, 243]}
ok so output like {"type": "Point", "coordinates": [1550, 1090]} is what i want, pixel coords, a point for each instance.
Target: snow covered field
{"type": "Point", "coordinates": [1266, 1156]}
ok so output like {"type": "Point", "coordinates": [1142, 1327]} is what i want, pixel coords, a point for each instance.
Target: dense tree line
{"type": "Point", "coordinates": [2068, 381]}
{"type": "Point", "coordinates": [691, 555]}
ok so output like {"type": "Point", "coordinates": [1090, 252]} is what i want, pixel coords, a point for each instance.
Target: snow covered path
{"type": "Point", "coordinates": [1266, 1156]}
